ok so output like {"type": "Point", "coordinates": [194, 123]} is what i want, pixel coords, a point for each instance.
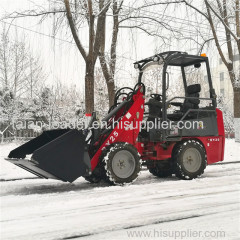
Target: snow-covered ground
{"type": "Point", "coordinates": [33, 208]}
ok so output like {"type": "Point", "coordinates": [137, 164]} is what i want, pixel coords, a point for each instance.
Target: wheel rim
{"type": "Point", "coordinates": [192, 160]}
{"type": "Point", "coordinates": [123, 164]}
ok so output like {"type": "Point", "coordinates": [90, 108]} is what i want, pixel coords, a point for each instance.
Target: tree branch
{"type": "Point", "coordinates": [222, 21]}
{"type": "Point", "coordinates": [73, 30]}
{"type": "Point", "coordinates": [91, 28]}
{"type": "Point", "coordinates": [116, 10]}
{"type": "Point", "coordinates": [237, 17]}
{"type": "Point", "coordinates": [196, 9]}
{"type": "Point", "coordinates": [100, 35]}
{"type": "Point", "coordinates": [144, 30]}
{"type": "Point", "coordinates": [214, 33]}
{"type": "Point", "coordinates": [228, 37]}
{"type": "Point", "coordinates": [202, 45]}
{"type": "Point", "coordinates": [165, 25]}
{"type": "Point", "coordinates": [32, 14]}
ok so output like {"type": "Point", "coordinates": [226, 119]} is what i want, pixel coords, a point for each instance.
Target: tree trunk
{"type": "Point", "coordinates": [89, 87]}
{"type": "Point", "coordinates": [236, 103]}
{"type": "Point", "coordinates": [111, 91]}
{"type": "Point", "coordinates": [236, 100]}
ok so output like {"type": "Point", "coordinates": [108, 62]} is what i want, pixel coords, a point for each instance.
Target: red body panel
{"type": "Point", "coordinates": [214, 145]}
{"type": "Point", "coordinates": [214, 148]}
{"type": "Point", "coordinates": [123, 133]}
{"type": "Point", "coordinates": [161, 153]}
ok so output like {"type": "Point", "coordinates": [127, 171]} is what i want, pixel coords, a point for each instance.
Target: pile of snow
{"type": "Point", "coordinates": [7, 169]}
{"type": "Point", "coordinates": [232, 150]}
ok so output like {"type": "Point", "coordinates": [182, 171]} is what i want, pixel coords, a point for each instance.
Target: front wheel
{"type": "Point", "coordinates": [189, 159]}
{"type": "Point", "coordinates": [122, 163]}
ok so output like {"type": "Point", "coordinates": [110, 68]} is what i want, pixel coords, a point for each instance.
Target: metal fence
{"type": "Point", "coordinates": [13, 134]}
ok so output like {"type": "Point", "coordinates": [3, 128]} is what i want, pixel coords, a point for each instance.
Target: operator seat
{"type": "Point", "coordinates": [192, 91]}
{"type": "Point", "coordinates": [155, 111]}
{"type": "Point", "coordinates": [155, 108]}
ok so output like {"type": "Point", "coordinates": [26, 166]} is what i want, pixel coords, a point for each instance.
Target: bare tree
{"type": "Point", "coordinates": [129, 17]}
{"type": "Point", "coordinates": [101, 93]}
{"type": "Point", "coordinates": [109, 68]}
{"type": "Point", "coordinates": [132, 17]}
{"type": "Point", "coordinates": [10, 111]}
{"type": "Point", "coordinates": [20, 72]}
{"type": "Point", "coordinates": [226, 14]}
{"type": "Point", "coordinates": [95, 14]}
{"type": "Point", "coordinates": [95, 38]}
{"type": "Point", "coordinates": [225, 105]}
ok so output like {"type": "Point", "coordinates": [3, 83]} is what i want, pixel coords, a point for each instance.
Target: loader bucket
{"type": "Point", "coordinates": [57, 154]}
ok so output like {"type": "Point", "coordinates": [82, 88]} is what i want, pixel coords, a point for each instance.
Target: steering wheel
{"type": "Point", "coordinates": [156, 96]}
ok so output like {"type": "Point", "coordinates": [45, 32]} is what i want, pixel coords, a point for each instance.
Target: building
{"type": "Point", "coordinates": [221, 79]}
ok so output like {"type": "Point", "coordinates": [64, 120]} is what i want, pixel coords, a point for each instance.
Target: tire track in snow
{"type": "Point", "coordinates": [132, 226]}
{"type": "Point", "coordinates": [45, 187]}
{"type": "Point", "coordinates": [224, 163]}
{"type": "Point", "coordinates": [117, 204]}
{"type": "Point", "coordinates": [17, 179]}
{"type": "Point", "coordinates": [155, 204]}
{"type": "Point", "coordinates": [176, 219]}
{"type": "Point", "coordinates": [143, 169]}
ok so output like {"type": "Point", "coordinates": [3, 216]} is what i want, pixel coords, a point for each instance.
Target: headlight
{"type": "Point", "coordinates": [155, 59]}
{"type": "Point", "coordinates": [136, 65]}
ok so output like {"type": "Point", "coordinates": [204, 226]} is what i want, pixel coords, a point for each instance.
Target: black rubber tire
{"type": "Point", "coordinates": [161, 173]}
{"type": "Point", "coordinates": [108, 156]}
{"type": "Point", "coordinates": [178, 164]}
{"type": "Point", "coordinates": [98, 174]}
{"type": "Point", "coordinates": [93, 178]}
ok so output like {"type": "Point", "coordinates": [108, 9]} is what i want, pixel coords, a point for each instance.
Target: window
{"type": "Point", "coordinates": [222, 91]}
{"type": "Point", "coordinates": [236, 57]}
{"type": "Point", "coordinates": [222, 76]}
{"type": "Point", "coordinates": [220, 61]}
{"type": "Point", "coordinates": [205, 78]}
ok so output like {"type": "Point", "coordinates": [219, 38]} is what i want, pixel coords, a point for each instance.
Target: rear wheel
{"type": "Point", "coordinates": [122, 163]}
{"type": "Point", "coordinates": [189, 160]}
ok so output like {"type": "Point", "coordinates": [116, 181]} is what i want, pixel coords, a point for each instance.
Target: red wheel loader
{"type": "Point", "coordinates": [116, 151]}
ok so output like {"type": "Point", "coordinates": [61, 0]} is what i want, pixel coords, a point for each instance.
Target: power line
{"type": "Point", "coordinates": [164, 15]}
{"type": "Point", "coordinates": [171, 17]}
{"type": "Point", "coordinates": [53, 37]}
{"type": "Point", "coordinates": [72, 43]}
{"type": "Point", "coordinates": [40, 33]}
{"type": "Point", "coordinates": [185, 22]}
{"type": "Point", "coordinates": [171, 28]}
{"type": "Point", "coordinates": [175, 29]}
